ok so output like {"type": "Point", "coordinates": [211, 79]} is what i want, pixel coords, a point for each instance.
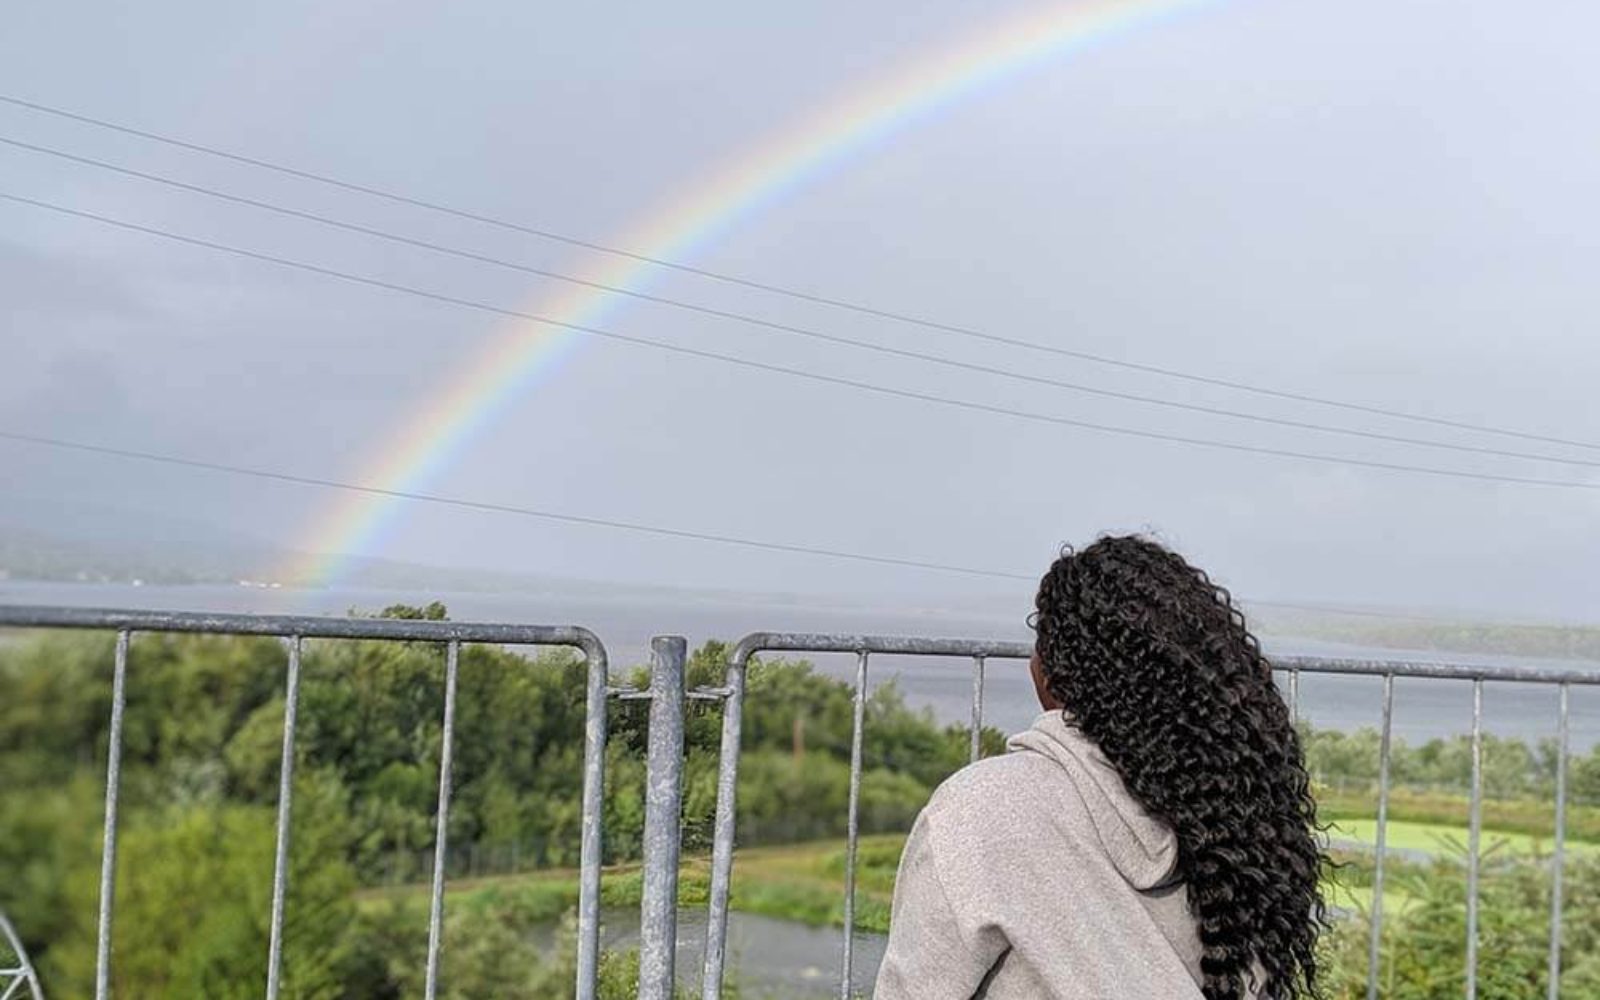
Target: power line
{"type": "Point", "coordinates": [785, 370]}
{"type": "Point", "coordinates": [499, 508]}
{"type": "Point", "coordinates": [612, 523]}
{"type": "Point", "coordinates": [771, 324]}
{"type": "Point", "coordinates": [791, 293]}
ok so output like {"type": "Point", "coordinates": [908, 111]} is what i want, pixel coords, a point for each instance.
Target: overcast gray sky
{"type": "Point", "coordinates": [1388, 204]}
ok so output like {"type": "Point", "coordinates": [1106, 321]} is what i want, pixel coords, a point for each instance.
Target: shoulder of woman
{"type": "Point", "coordinates": [997, 792]}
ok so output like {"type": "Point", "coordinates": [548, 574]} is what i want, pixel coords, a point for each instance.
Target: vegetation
{"type": "Point", "coordinates": [202, 741]}
{"type": "Point", "coordinates": [1423, 944]}
{"type": "Point", "coordinates": [1423, 948]}
{"type": "Point", "coordinates": [1428, 783]}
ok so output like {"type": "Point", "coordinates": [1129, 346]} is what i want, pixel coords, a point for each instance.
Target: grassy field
{"type": "Point", "coordinates": [1445, 838]}
{"type": "Point", "coordinates": [800, 882]}
{"type": "Point", "coordinates": [1534, 817]}
{"type": "Point", "coordinates": [805, 882]}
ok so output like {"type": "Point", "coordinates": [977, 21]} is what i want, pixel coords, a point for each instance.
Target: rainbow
{"type": "Point", "coordinates": [513, 358]}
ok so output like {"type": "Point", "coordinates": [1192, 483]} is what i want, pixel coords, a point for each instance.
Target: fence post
{"type": "Point", "coordinates": [658, 912]}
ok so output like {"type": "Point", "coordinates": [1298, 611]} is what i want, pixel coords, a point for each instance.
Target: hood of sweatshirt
{"type": "Point", "coordinates": [1142, 847]}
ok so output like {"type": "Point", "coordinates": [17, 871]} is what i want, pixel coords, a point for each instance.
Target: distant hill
{"type": "Point", "coordinates": [93, 544]}
{"type": "Point", "coordinates": [1436, 632]}
{"type": "Point", "coordinates": [89, 543]}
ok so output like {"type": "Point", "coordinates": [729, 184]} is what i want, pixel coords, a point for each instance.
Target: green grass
{"type": "Point", "coordinates": [1358, 898]}
{"type": "Point", "coordinates": [800, 882]}
{"type": "Point", "coordinates": [1535, 817]}
{"type": "Point", "coordinates": [805, 882]}
{"type": "Point", "coordinates": [1440, 838]}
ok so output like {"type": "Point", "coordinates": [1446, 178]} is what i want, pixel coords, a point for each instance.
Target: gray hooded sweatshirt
{"type": "Point", "coordinates": [1035, 875]}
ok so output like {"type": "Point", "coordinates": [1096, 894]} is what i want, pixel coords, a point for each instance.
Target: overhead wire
{"type": "Point", "coordinates": [772, 325]}
{"type": "Point", "coordinates": [792, 293]}
{"type": "Point", "coordinates": [818, 377]}
{"type": "Point", "coordinates": [776, 289]}
{"type": "Point", "coordinates": [586, 520]}
{"type": "Point", "coordinates": [500, 508]}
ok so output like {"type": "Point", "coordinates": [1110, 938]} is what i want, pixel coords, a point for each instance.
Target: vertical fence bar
{"type": "Point", "coordinates": [722, 835]}
{"type": "Point", "coordinates": [280, 863]}
{"type": "Point", "coordinates": [658, 910]}
{"type": "Point", "coordinates": [591, 851]}
{"type": "Point", "coordinates": [108, 850]}
{"type": "Point", "coordinates": [1294, 696]}
{"type": "Point", "coordinates": [853, 826]}
{"type": "Point", "coordinates": [1557, 862]}
{"type": "Point", "coordinates": [1375, 932]}
{"type": "Point", "coordinates": [1474, 831]}
{"type": "Point", "coordinates": [977, 706]}
{"type": "Point", "coordinates": [440, 843]}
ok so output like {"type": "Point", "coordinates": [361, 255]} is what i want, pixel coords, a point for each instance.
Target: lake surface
{"type": "Point", "coordinates": [769, 959]}
{"type": "Point", "coordinates": [1423, 708]}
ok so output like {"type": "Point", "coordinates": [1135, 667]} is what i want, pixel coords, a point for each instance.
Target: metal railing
{"type": "Point", "coordinates": [1388, 670]}
{"type": "Point", "coordinates": [294, 630]}
{"type": "Point", "coordinates": [1289, 668]}
{"type": "Point", "coordinates": [668, 697]}
{"type": "Point", "coordinates": [864, 646]}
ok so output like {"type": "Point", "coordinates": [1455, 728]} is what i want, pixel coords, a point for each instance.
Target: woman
{"type": "Point", "coordinates": [1152, 836]}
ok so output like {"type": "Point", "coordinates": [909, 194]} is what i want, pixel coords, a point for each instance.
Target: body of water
{"type": "Point", "coordinates": [768, 959]}
{"type": "Point", "coordinates": [1423, 708]}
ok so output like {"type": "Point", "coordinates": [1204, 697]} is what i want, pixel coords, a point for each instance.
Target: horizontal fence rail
{"type": "Point", "coordinates": [294, 630]}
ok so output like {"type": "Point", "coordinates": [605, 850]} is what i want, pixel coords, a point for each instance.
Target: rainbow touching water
{"type": "Point", "coordinates": [517, 355]}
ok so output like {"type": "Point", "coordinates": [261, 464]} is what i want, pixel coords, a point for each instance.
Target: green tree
{"type": "Point", "coordinates": [193, 904]}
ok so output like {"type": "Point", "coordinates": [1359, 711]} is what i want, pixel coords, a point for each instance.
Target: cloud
{"type": "Point", "coordinates": [39, 285]}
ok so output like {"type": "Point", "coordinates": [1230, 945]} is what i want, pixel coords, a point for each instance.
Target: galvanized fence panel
{"type": "Point", "coordinates": [1478, 674]}
{"type": "Point", "coordinates": [732, 692]}
{"type": "Point", "coordinates": [296, 629]}
{"type": "Point", "coordinates": [979, 651]}
{"type": "Point", "coordinates": [665, 757]}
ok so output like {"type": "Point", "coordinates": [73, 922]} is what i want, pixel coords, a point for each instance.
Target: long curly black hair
{"type": "Point", "coordinates": [1154, 663]}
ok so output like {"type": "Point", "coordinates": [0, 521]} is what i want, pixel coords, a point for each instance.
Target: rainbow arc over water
{"type": "Point", "coordinates": [513, 360]}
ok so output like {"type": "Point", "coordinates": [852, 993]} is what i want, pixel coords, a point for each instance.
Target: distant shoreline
{"type": "Point", "coordinates": [1371, 629]}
